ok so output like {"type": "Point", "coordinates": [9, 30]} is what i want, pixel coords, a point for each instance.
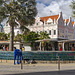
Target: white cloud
{"type": "Point", "coordinates": [44, 1]}
{"type": "Point", "coordinates": [55, 6]}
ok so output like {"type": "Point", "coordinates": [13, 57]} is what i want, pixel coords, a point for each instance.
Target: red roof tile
{"type": "Point", "coordinates": [73, 23]}
{"type": "Point", "coordinates": [52, 17]}
{"type": "Point", "coordinates": [67, 20]}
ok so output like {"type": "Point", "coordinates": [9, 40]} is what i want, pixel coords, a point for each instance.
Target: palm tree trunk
{"type": "Point", "coordinates": [11, 37]}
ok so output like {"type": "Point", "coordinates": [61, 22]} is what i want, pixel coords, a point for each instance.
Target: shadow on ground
{"type": "Point", "coordinates": [66, 72]}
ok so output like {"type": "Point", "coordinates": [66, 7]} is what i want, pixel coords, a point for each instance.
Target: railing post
{"type": "Point", "coordinates": [21, 63]}
{"type": "Point", "coordinates": [6, 61]}
{"type": "Point", "coordinates": [1, 60]}
{"type": "Point", "coordinates": [58, 63]}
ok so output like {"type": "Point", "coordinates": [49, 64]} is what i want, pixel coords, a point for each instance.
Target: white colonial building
{"type": "Point", "coordinates": [17, 30]}
{"type": "Point", "coordinates": [55, 26]}
{"type": "Point", "coordinates": [59, 30]}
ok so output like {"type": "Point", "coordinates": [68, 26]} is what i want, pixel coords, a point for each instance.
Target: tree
{"type": "Point", "coordinates": [3, 36]}
{"type": "Point", "coordinates": [25, 30]}
{"type": "Point", "coordinates": [31, 37]}
{"type": "Point", "coordinates": [18, 37]}
{"type": "Point", "coordinates": [44, 35]}
{"type": "Point", "coordinates": [22, 11]}
{"type": "Point", "coordinates": [8, 36]}
{"type": "Point", "coordinates": [73, 8]}
{"type": "Point", "coordinates": [2, 11]}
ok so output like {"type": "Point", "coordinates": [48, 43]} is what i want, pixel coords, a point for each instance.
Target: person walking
{"type": "Point", "coordinates": [7, 48]}
{"type": "Point", "coordinates": [72, 48]}
{"type": "Point", "coordinates": [23, 49]}
{"type": "Point", "coordinates": [60, 48]}
{"type": "Point", "coordinates": [4, 48]}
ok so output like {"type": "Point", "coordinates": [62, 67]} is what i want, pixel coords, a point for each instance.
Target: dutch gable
{"type": "Point", "coordinates": [69, 23]}
{"type": "Point", "coordinates": [60, 20]}
{"type": "Point", "coordinates": [49, 21]}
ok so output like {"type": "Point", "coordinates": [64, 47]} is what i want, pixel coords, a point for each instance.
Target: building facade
{"type": "Point", "coordinates": [16, 29]}
{"type": "Point", "coordinates": [55, 26]}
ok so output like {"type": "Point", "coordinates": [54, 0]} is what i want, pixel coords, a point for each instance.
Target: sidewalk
{"type": "Point", "coordinates": [9, 68]}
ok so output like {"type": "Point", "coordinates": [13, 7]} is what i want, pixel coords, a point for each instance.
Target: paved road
{"type": "Point", "coordinates": [68, 72]}
{"type": "Point", "coordinates": [37, 69]}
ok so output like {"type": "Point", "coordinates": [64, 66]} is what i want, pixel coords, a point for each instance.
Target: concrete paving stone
{"type": "Point", "coordinates": [10, 68]}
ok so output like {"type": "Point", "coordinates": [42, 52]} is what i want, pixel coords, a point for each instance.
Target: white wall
{"type": "Point", "coordinates": [27, 48]}
{"type": "Point", "coordinates": [7, 29]}
{"type": "Point", "coordinates": [51, 27]}
{"type": "Point", "coordinates": [16, 30]}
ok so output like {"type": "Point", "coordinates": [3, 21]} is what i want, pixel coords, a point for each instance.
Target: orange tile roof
{"type": "Point", "coordinates": [73, 22]}
{"type": "Point", "coordinates": [52, 17]}
{"type": "Point", "coordinates": [67, 20]}
{"type": "Point", "coordinates": [64, 19]}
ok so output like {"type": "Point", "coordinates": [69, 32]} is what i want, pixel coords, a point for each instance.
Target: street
{"type": "Point", "coordinates": [37, 69]}
{"type": "Point", "coordinates": [67, 72]}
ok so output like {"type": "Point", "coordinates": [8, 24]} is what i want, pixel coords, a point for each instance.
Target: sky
{"type": "Point", "coordinates": [53, 7]}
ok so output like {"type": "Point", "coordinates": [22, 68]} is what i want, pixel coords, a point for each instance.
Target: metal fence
{"type": "Point", "coordinates": [40, 55]}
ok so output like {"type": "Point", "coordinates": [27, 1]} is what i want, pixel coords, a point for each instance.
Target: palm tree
{"type": "Point", "coordinates": [73, 8]}
{"type": "Point", "coordinates": [44, 35]}
{"type": "Point", "coordinates": [31, 37]}
{"type": "Point", "coordinates": [24, 29]}
{"type": "Point", "coordinates": [2, 11]}
{"type": "Point", "coordinates": [3, 36]}
{"type": "Point", "coordinates": [22, 11]}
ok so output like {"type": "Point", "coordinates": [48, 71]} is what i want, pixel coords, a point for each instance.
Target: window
{"type": "Point", "coordinates": [37, 32]}
{"type": "Point", "coordinates": [54, 32]}
{"type": "Point", "coordinates": [49, 23]}
{"type": "Point", "coordinates": [62, 36]}
{"type": "Point", "coordinates": [65, 24]}
{"type": "Point", "coordinates": [36, 23]}
{"type": "Point", "coordinates": [45, 31]}
{"type": "Point", "coordinates": [17, 32]}
{"type": "Point", "coordinates": [61, 22]}
{"type": "Point", "coordinates": [58, 32]}
{"type": "Point", "coordinates": [50, 32]}
{"type": "Point", "coordinates": [62, 31]}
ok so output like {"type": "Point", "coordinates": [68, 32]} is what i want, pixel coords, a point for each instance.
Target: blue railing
{"type": "Point", "coordinates": [39, 55]}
